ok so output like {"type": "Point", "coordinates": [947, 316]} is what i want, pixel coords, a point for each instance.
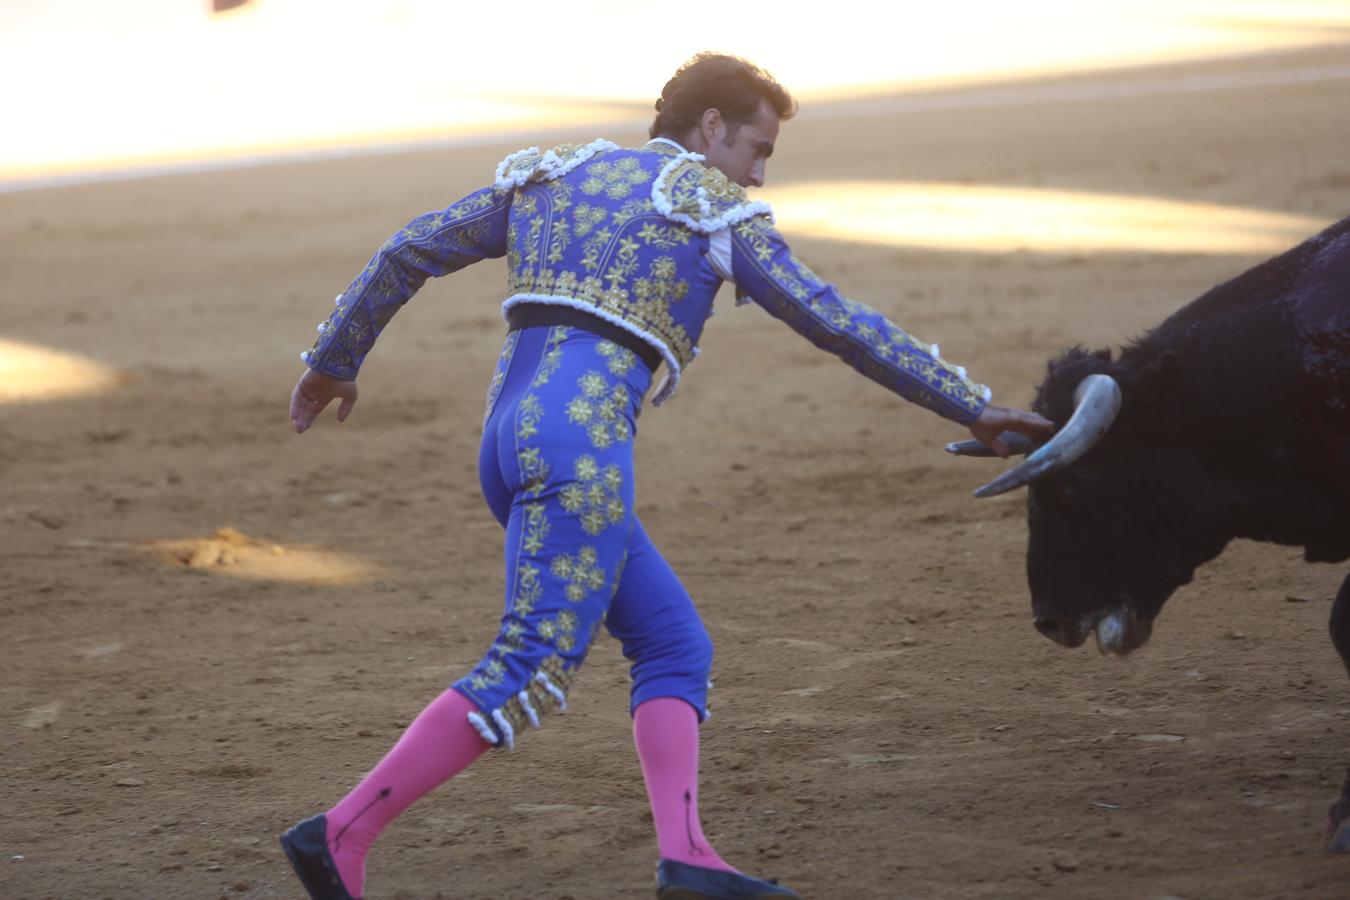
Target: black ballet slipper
{"type": "Point", "coordinates": [306, 846]}
{"type": "Point", "coordinates": [679, 881]}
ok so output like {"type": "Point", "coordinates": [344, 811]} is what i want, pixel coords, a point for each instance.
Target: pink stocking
{"type": "Point", "coordinates": [437, 745]}
{"type": "Point", "coordinates": [665, 731]}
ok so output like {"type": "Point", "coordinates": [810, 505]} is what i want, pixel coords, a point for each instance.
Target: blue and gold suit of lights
{"type": "Point", "coordinates": [642, 238]}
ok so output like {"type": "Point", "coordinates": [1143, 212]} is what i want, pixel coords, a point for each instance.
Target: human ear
{"type": "Point", "coordinates": [711, 124]}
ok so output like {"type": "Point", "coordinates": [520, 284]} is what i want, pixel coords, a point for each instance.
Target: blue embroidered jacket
{"type": "Point", "coordinates": [642, 238]}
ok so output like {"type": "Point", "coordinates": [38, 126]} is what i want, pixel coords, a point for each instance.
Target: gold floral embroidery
{"type": "Point", "coordinates": [531, 411]}
{"type": "Point", "coordinates": [532, 241]}
{"type": "Point", "coordinates": [664, 236]}
{"type": "Point", "coordinates": [424, 227]}
{"type": "Point", "coordinates": [512, 247]}
{"type": "Point", "coordinates": [580, 573]}
{"type": "Point", "coordinates": [890, 347]}
{"type": "Point", "coordinates": [587, 469]}
{"type": "Point", "coordinates": [594, 247]}
{"type": "Point", "coordinates": [529, 587]}
{"type": "Point", "coordinates": [692, 187]}
{"type": "Point", "coordinates": [623, 265]}
{"type": "Point", "coordinates": [442, 242]}
{"type": "Point", "coordinates": [596, 496]}
{"type": "Point", "coordinates": [561, 630]}
{"type": "Point", "coordinates": [559, 196]}
{"type": "Point", "coordinates": [600, 409]}
{"type": "Point", "coordinates": [493, 674]}
{"type": "Point", "coordinates": [788, 280]}
{"type": "Point", "coordinates": [536, 528]}
{"type": "Point", "coordinates": [662, 285]}
{"type": "Point", "coordinates": [587, 217]}
{"type": "Point", "coordinates": [559, 233]}
{"type": "Point", "coordinates": [757, 233]}
{"type": "Point", "coordinates": [634, 209]}
{"type": "Point", "coordinates": [616, 179]}
{"type": "Point", "coordinates": [587, 251]}
{"type": "Point", "coordinates": [552, 357]}
{"type": "Point", "coordinates": [534, 469]}
{"type": "Point", "coordinates": [558, 239]}
{"type": "Point", "coordinates": [652, 315]}
{"type": "Point", "coordinates": [619, 359]}
{"type": "Point", "coordinates": [474, 203]}
{"type": "Point", "coordinates": [512, 634]}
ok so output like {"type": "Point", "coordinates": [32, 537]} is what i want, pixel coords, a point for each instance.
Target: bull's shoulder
{"type": "Point", "coordinates": [700, 197]}
{"type": "Point", "coordinates": [533, 164]}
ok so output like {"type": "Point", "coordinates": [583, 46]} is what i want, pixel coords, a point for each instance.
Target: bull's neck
{"type": "Point", "coordinates": [1234, 399]}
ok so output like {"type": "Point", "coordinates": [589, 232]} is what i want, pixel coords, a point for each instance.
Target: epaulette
{"type": "Point", "coordinates": [532, 164]}
{"type": "Point", "coordinates": [701, 197]}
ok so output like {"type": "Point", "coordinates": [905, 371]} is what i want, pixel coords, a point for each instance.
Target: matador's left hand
{"type": "Point", "coordinates": [313, 392]}
{"type": "Point", "coordinates": [997, 419]}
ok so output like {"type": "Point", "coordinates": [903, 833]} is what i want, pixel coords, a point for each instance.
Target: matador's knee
{"type": "Point", "coordinates": [673, 663]}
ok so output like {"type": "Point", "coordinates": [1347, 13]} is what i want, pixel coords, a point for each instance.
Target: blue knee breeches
{"type": "Point", "coordinates": [556, 467]}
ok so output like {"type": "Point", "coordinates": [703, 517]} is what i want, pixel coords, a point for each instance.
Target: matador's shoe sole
{"type": "Point", "coordinates": [679, 881]}
{"type": "Point", "coordinates": [306, 846]}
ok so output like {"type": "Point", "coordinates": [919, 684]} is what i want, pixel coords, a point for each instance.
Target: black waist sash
{"type": "Point", "coordinates": [533, 315]}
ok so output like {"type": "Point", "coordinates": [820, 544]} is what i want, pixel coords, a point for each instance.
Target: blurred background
{"type": "Point", "coordinates": [109, 86]}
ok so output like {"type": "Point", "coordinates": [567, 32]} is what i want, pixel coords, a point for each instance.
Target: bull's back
{"type": "Point", "coordinates": [1319, 305]}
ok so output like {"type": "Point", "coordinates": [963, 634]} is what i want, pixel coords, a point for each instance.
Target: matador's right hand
{"type": "Point", "coordinates": [313, 392]}
{"type": "Point", "coordinates": [997, 419]}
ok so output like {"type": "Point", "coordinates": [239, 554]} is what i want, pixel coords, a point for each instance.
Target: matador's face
{"type": "Point", "coordinates": [742, 151]}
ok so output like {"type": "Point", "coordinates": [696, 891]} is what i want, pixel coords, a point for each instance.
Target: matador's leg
{"type": "Point", "coordinates": [655, 619]}
{"type": "Point", "coordinates": [564, 450]}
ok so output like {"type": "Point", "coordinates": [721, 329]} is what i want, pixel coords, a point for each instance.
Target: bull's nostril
{"type": "Point", "coordinates": [1048, 626]}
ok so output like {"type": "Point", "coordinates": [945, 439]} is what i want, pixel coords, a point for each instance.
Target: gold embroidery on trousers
{"type": "Point", "coordinates": [596, 496]}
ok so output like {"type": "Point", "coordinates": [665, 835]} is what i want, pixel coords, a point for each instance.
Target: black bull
{"type": "Point", "coordinates": [1230, 419]}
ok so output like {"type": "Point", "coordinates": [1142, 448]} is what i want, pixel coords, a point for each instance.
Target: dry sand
{"type": "Point", "coordinates": [887, 723]}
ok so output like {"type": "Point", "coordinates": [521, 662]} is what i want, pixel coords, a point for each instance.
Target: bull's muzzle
{"type": "Point", "coordinates": [1117, 630]}
{"type": "Point", "coordinates": [1068, 632]}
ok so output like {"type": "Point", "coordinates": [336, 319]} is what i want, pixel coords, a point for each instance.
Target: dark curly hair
{"type": "Point", "coordinates": [728, 84]}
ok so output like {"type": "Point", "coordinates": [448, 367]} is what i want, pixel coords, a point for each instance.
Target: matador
{"type": "Point", "coordinates": [613, 256]}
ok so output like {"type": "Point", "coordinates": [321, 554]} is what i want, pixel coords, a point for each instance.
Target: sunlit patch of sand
{"type": "Point", "coordinates": [42, 716]}
{"type": "Point", "coordinates": [1002, 219]}
{"type": "Point", "coordinates": [232, 553]}
{"type": "Point", "coordinates": [29, 372]}
{"type": "Point", "coordinates": [103, 650]}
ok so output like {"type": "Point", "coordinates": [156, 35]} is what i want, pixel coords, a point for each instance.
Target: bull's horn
{"type": "Point", "coordinates": [1096, 402]}
{"type": "Point", "coordinates": [1019, 444]}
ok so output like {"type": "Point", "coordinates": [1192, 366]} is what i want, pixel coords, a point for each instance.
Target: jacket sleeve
{"type": "Point", "coordinates": [766, 271]}
{"type": "Point", "coordinates": [434, 244]}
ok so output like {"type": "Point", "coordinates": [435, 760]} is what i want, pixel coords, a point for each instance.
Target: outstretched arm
{"type": "Point", "coordinates": [765, 270]}
{"type": "Point", "coordinates": [431, 245]}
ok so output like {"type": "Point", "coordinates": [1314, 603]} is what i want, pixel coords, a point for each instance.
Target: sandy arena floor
{"type": "Point", "coordinates": [211, 627]}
